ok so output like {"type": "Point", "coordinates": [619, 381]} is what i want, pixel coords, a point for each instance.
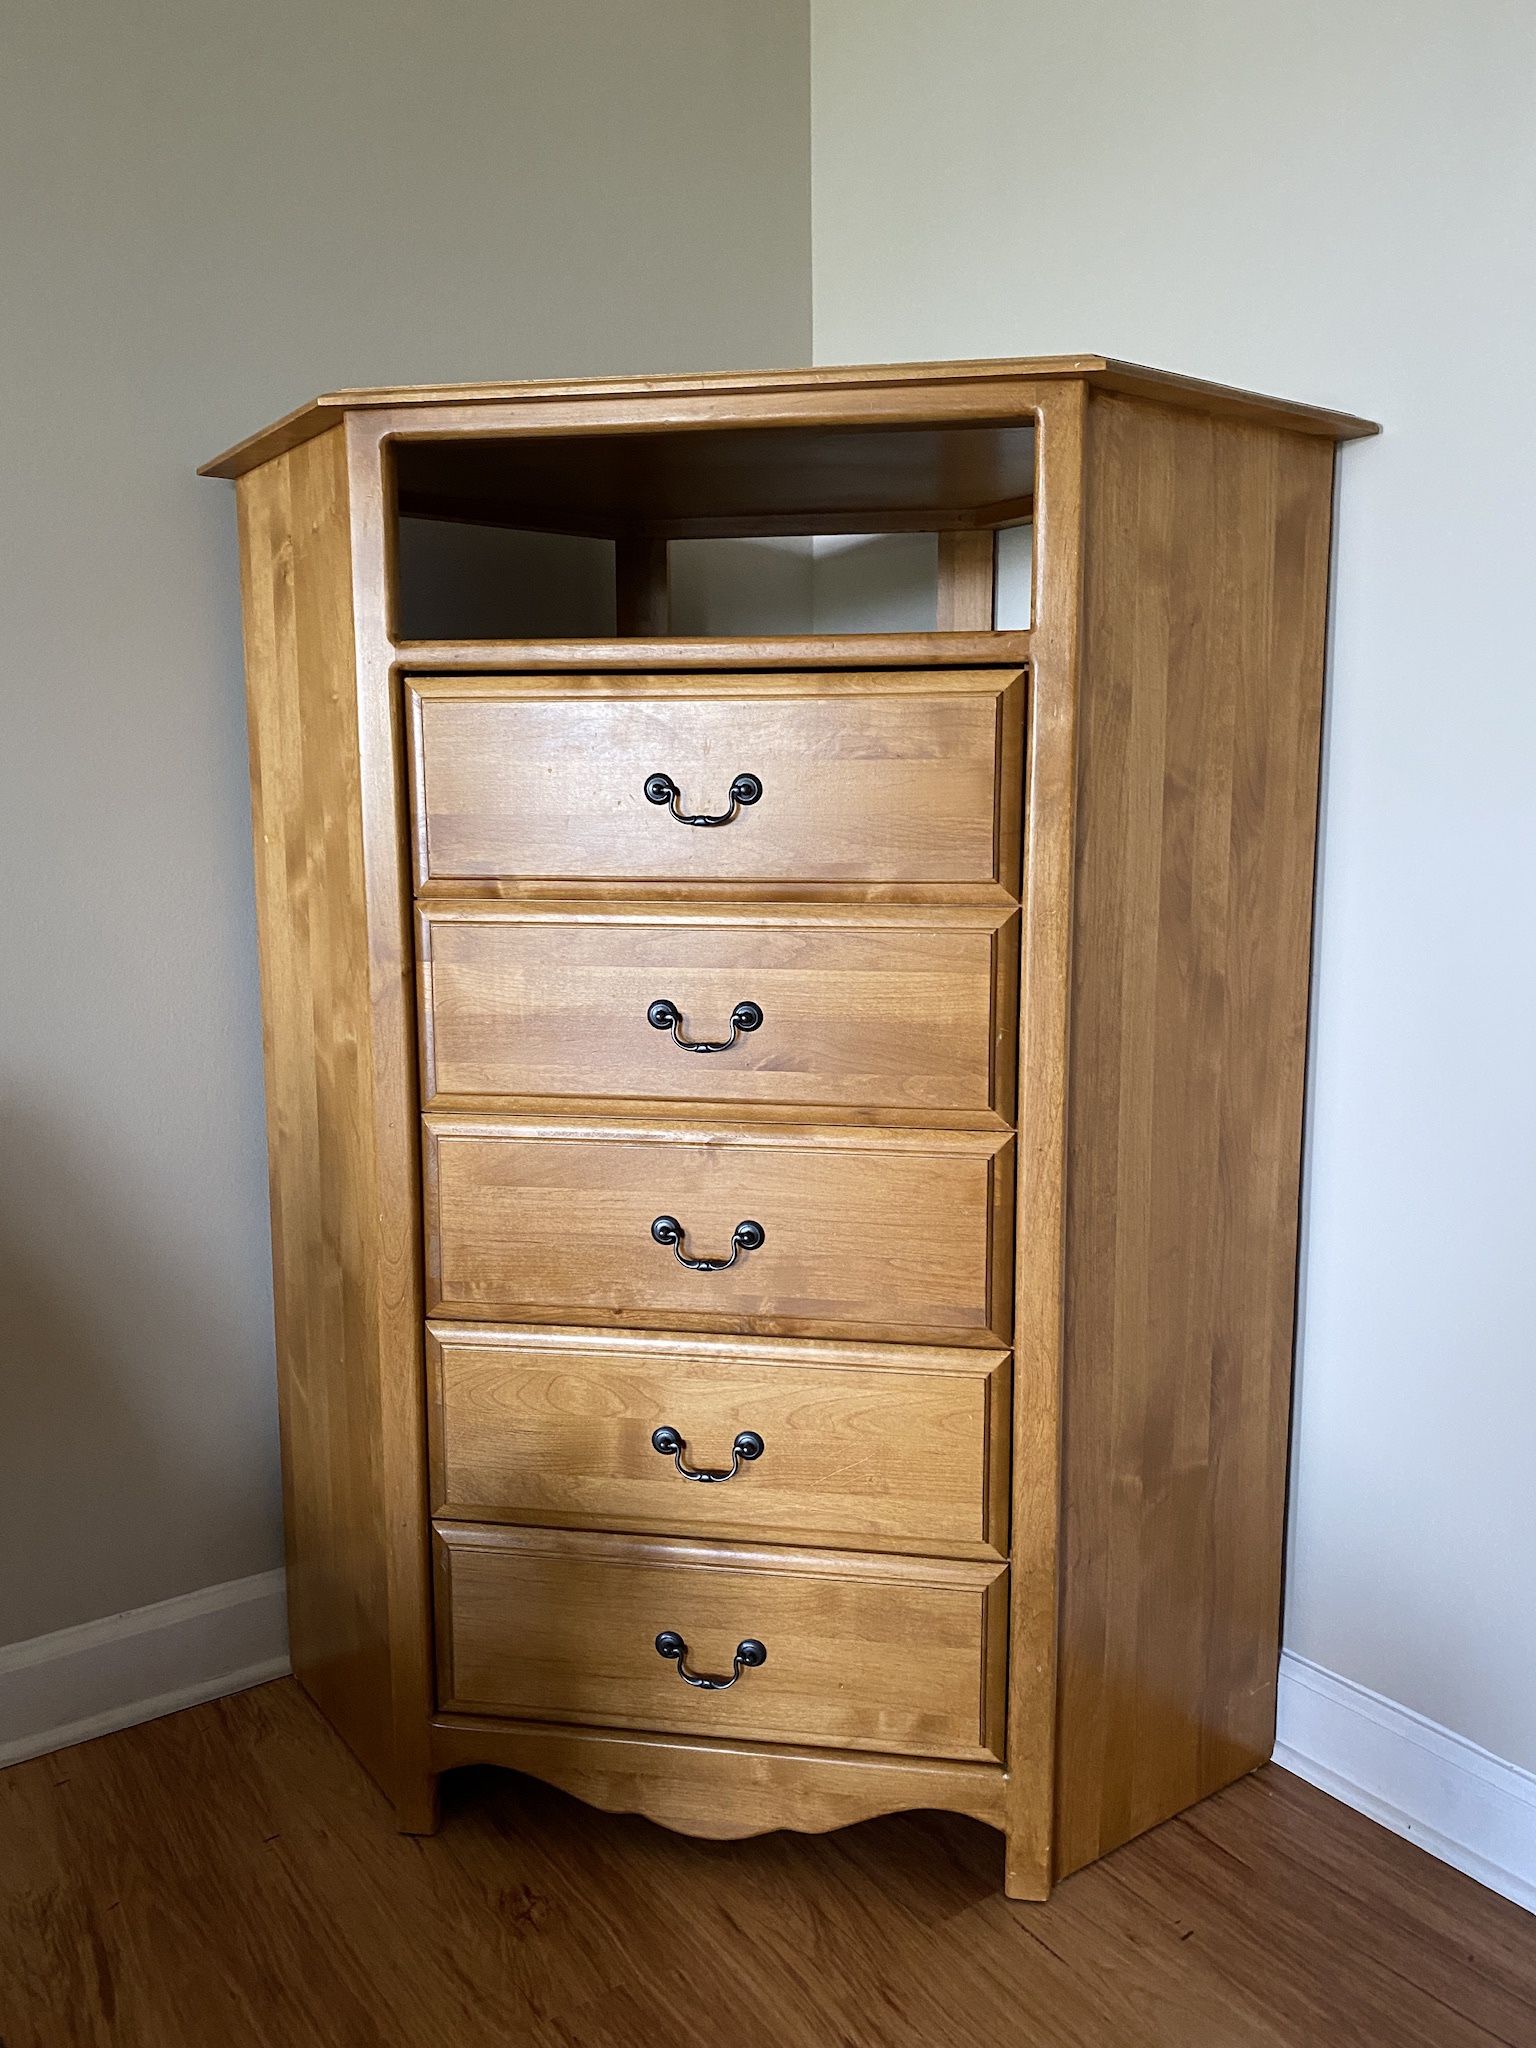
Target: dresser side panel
{"type": "Point", "coordinates": [1049, 790]}
{"type": "Point", "coordinates": [306, 803]}
{"type": "Point", "coordinates": [1207, 551]}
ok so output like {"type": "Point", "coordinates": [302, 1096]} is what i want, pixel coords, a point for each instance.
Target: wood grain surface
{"type": "Point", "coordinates": [885, 1008]}
{"type": "Point", "coordinates": [901, 1654]}
{"type": "Point", "coordinates": [340, 1100]}
{"type": "Point", "coordinates": [867, 1446]}
{"type": "Point", "coordinates": [1207, 550]}
{"type": "Point", "coordinates": [1039, 1507]}
{"type": "Point", "coordinates": [870, 779]}
{"type": "Point", "coordinates": [646, 488]}
{"type": "Point", "coordinates": [754, 651]}
{"type": "Point", "coordinates": [967, 595]}
{"type": "Point", "coordinates": [721, 1788]}
{"type": "Point", "coordinates": [868, 1232]}
{"type": "Point", "coordinates": [854, 394]}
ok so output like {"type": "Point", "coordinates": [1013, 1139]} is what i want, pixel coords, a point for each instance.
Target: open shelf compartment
{"type": "Point", "coordinates": [713, 534]}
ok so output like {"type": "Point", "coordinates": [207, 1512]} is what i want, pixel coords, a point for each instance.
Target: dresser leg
{"type": "Point", "coordinates": [416, 1806]}
{"type": "Point", "coordinates": [1024, 1875]}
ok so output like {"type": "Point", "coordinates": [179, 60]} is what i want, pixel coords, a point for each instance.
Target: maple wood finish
{"type": "Point", "coordinates": [840, 1628]}
{"type": "Point", "coordinates": [967, 597]}
{"type": "Point", "coordinates": [644, 489]}
{"type": "Point", "coordinates": [762, 651]}
{"type": "Point", "coordinates": [1004, 1159]}
{"type": "Point", "coordinates": [910, 1010]}
{"type": "Point", "coordinates": [884, 1447]}
{"type": "Point", "coordinates": [900, 1234]}
{"type": "Point", "coordinates": [864, 778]}
{"type": "Point", "coordinates": [717, 1786]}
{"type": "Point", "coordinates": [865, 394]}
{"type": "Point", "coordinates": [340, 1117]}
{"type": "Point", "coordinates": [1191, 938]}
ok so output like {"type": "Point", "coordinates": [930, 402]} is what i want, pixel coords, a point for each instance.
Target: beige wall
{"type": "Point", "coordinates": [1333, 203]}
{"type": "Point", "coordinates": [212, 211]}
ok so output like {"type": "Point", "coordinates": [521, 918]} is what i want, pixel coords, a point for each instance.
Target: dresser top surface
{"type": "Point", "coordinates": [745, 398]}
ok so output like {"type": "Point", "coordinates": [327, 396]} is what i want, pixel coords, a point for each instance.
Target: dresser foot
{"type": "Point", "coordinates": [1025, 1876]}
{"type": "Point", "coordinates": [416, 1806]}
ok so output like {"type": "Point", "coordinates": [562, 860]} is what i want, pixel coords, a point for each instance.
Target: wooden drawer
{"type": "Point", "coordinates": [896, 1234]}
{"type": "Point", "coordinates": [880, 1008]}
{"type": "Point", "coordinates": [906, 778]}
{"type": "Point", "coordinates": [892, 1447]}
{"type": "Point", "coordinates": [863, 1652]}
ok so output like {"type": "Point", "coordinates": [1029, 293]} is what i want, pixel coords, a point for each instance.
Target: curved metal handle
{"type": "Point", "coordinates": [661, 789]}
{"type": "Point", "coordinates": [746, 1237]}
{"type": "Point", "coordinates": [747, 1447]}
{"type": "Point", "coordinates": [664, 1015]}
{"type": "Point", "coordinates": [751, 1655]}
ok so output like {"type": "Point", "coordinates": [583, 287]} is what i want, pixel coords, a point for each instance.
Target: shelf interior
{"type": "Point", "coordinates": [713, 483]}
{"type": "Point", "coordinates": [712, 532]}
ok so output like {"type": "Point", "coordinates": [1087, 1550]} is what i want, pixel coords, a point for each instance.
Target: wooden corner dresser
{"type": "Point", "coordinates": [785, 1149]}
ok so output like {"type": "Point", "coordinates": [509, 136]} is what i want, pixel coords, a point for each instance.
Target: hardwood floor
{"type": "Point", "coordinates": [227, 1878]}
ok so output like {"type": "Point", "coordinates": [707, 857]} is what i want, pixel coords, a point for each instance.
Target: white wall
{"type": "Point", "coordinates": [210, 211]}
{"type": "Point", "coordinates": [1334, 203]}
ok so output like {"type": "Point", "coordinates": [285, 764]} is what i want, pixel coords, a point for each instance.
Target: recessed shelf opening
{"type": "Point", "coordinates": [716, 534]}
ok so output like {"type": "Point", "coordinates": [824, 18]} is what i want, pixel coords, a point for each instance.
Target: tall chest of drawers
{"type": "Point", "coordinates": [785, 1149]}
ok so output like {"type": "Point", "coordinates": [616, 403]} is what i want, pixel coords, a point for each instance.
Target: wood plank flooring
{"type": "Point", "coordinates": [227, 1878]}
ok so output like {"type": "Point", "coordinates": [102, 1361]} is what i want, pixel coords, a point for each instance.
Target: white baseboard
{"type": "Point", "coordinates": [81, 1682]}
{"type": "Point", "coordinates": [1472, 1810]}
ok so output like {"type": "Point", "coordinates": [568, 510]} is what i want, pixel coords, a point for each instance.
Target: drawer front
{"type": "Point", "coordinates": [873, 778]}
{"type": "Point", "coordinates": [908, 1010]}
{"type": "Point", "coordinates": [863, 1652]}
{"type": "Point", "coordinates": [906, 1448]}
{"type": "Point", "coordinates": [864, 1233]}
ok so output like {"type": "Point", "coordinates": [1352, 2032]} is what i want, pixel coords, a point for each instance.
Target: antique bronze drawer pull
{"type": "Point", "coordinates": [748, 1445]}
{"type": "Point", "coordinates": [664, 1015]}
{"type": "Point", "coordinates": [750, 1656]}
{"type": "Point", "coordinates": [661, 789]}
{"type": "Point", "coordinates": [746, 1237]}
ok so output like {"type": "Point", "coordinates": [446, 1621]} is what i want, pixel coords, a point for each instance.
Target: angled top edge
{"type": "Point", "coordinates": [721, 386]}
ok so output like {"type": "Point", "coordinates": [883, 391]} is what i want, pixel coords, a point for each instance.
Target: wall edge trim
{"type": "Point", "coordinates": [77, 1683]}
{"type": "Point", "coordinates": [1460, 1803]}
